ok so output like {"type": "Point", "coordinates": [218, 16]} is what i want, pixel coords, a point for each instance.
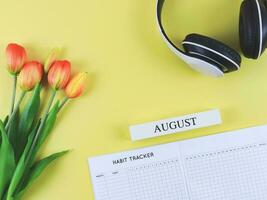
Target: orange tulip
{"type": "Point", "coordinates": [53, 55]}
{"type": "Point", "coordinates": [59, 74]}
{"type": "Point", "coordinates": [76, 85]}
{"type": "Point", "coordinates": [30, 75]}
{"type": "Point", "coordinates": [16, 57]}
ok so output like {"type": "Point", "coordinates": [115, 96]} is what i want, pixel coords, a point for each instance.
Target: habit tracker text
{"type": "Point", "coordinates": [133, 158]}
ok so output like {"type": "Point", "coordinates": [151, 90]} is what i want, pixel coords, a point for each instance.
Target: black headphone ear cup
{"type": "Point", "coordinates": [264, 26]}
{"type": "Point", "coordinates": [212, 51]}
{"type": "Point", "coordinates": [249, 29]}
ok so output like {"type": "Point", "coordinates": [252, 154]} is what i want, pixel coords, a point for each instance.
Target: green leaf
{"type": "Point", "coordinates": [21, 168]}
{"type": "Point", "coordinates": [27, 119]}
{"type": "Point", "coordinates": [49, 124]}
{"type": "Point", "coordinates": [22, 171]}
{"type": "Point", "coordinates": [16, 178]}
{"type": "Point", "coordinates": [4, 196]}
{"type": "Point", "coordinates": [13, 134]}
{"type": "Point", "coordinates": [7, 161]}
{"type": "Point", "coordinates": [30, 111]}
{"type": "Point", "coordinates": [5, 122]}
{"type": "Point", "coordinates": [37, 170]}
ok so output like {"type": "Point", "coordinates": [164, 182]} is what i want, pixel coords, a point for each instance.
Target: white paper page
{"type": "Point", "coordinates": [123, 176]}
{"type": "Point", "coordinates": [228, 166]}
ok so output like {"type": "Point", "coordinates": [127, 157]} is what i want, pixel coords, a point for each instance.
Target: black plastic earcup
{"type": "Point", "coordinates": [249, 29]}
{"type": "Point", "coordinates": [253, 27]}
{"type": "Point", "coordinates": [264, 24]}
{"type": "Point", "coordinates": [212, 51]}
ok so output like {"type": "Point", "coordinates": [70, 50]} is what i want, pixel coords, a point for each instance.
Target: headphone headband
{"type": "Point", "coordinates": [170, 44]}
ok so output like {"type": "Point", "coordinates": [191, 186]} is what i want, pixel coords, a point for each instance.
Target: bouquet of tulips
{"type": "Point", "coordinates": [25, 129]}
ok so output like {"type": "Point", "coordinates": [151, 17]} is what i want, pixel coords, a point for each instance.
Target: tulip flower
{"type": "Point", "coordinates": [59, 74]}
{"type": "Point", "coordinates": [74, 88]}
{"type": "Point", "coordinates": [76, 85]}
{"type": "Point", "coordinates": [51, 59]}
{"type": "Point", "coordinates": [16, 57]}
{"type": "Point", "coordinates": [30, 75]}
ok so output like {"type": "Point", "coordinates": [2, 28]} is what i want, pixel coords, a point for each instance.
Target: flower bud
{"type": "Point", "coordinates": [76, 85]}
{"type": "Point", "coordinates": [30, 75]}
{"type": "Point", "coordinates": [16, 57]}
{"type": "Point", "coordinates": [59, 74]}
{"type": "Point", "coordinates": [53, 55]}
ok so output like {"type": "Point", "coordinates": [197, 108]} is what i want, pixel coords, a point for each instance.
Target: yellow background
{"type": "Point", "coordinates": [134, 77]}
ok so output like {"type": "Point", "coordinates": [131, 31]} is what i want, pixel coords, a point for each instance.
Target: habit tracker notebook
{"type": "Point", "coordinates": [227, 166]}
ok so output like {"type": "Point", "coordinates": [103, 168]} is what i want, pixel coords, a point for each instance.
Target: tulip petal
{"type": "Point", "coordinates": [76, 85]}
{"type": "Point", "coordinates": [16, 57]}
{"type": "Point", "coordinates": [59, 74]}
{"type": "Point", "coordinates": [30, 75]}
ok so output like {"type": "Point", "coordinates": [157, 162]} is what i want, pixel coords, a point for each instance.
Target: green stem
{"type": "Point", "coordinates": [13, 95]}
{"type": "Point", "coordinates": [15, 110]}
{"type": "Point", "coordinates": [65, 100]}
{"type": "Point", "coordinates": [35, 141]}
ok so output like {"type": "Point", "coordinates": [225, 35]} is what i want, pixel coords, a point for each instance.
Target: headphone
{"type": "Point", "coordinates": [214, 58]}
